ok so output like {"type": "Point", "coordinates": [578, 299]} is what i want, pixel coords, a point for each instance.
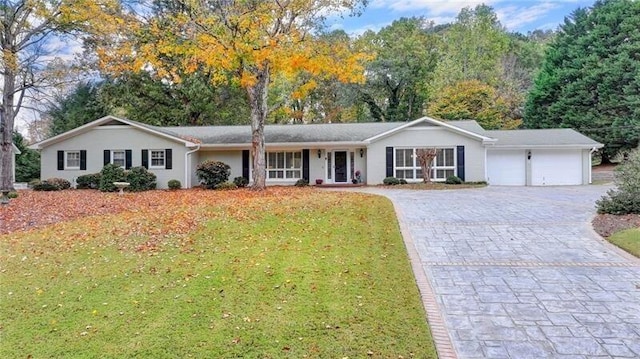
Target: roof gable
{"type": "Point", "coordinates": [466, 128]}
{"type": "Point", "coordinates": [110, 121]}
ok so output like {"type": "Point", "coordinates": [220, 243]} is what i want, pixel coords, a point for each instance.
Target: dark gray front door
{"type": "Point", "coordinates": [341, 166]}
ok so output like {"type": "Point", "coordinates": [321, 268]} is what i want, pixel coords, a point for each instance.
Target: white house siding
{"type": "Point", "coordinates": [421, 137]}
{"type": "Point", "coordinates": [119, 137]}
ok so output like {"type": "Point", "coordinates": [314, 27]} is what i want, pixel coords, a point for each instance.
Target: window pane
{"type": "Point", "coordinates": [280, 160]}
{"type": "Point", "coordinates": [293, 174]}
{"type": "Point", "coordinates": [288, 157]}
{"type": "Point", "coordinates": [118, 158]}
{"type": "Point", "coordinates": [329, 165]}
{"type": "Point", "coordinates": [408, 158]}
{"type": "Point", "coordinates": [418, 173]}
{"type": "Point", "coordinates": [440, 158]}
{"type": "Point", "coordinates": [448, 173]}
{"type": "Point", "coordinates": [73, 159]}
{"type": "Point", "coordinates": [157, 158]}
{"type": "Point", "coordinates": [271, 160]}
{"type": "Point", "coordinates": [297, 160]}
{"type": "Point", "coordinates": [399, 158]}
{"type": "Point", "coordinates": [448, 156]}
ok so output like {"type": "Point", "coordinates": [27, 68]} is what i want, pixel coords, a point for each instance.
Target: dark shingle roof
{"type": "Point", "coordinates": [541, 137]}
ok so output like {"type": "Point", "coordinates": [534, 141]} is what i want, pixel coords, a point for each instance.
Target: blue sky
{"type": "Point", "coordinates": [516, 15]}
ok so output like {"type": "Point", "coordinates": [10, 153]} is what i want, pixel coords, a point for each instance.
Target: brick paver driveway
{"type": "Point", "coordinates": [518, 273]}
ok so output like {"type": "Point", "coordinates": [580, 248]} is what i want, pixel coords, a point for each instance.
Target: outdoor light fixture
{"type": "Point", "coordinates": [361, 152]}
{"type": "Point", "coordinates": [319, 153]}
{"type": "Point", "coordinates": [529, 155]}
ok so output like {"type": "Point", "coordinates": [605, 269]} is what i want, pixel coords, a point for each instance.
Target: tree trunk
{"type": "Point", "coordinates": [6, 129]}
{"type": "Point", "coordinates": [258, 103]}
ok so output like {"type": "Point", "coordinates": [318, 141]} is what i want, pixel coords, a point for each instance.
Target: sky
{"type": "Point", "coordinates": [516, 15]}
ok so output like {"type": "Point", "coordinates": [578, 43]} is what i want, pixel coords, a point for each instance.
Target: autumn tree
{"type": "Point", "coordinates": [473, 100]}
{"type": "Point", "coordinates": [250, 41]}
{"type": "Point", "coordinates": [590, 77]}
{"type": "Point", "coordinates": [25, 28]}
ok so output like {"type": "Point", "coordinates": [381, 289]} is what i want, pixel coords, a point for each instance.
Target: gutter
{"type": "Point", "coordinates": [187, 178]}
{"type": "Point", "coordinates": [594, 149]}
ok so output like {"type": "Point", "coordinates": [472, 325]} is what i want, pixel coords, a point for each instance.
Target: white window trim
{"type": "Point", "coordinates": [66, 160]}
{"type": "Point", "coordinates": [164, 159]}
{"type": "Point", "coordinates": [124, 157]}
{"type": "Point", "coordinates": [285, 168]}
{"type": "Point", "coordinates": [416, 165]}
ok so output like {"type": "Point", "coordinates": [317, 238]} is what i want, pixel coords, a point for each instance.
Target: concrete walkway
{"type": "Point", "coordinates": [519, 273]}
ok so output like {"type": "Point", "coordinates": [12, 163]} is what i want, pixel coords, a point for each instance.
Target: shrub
{"type": "Point", "coordinates": [59, 183]}
{"type": "Point", "coordinates": [453, 180]}
{"type": "Point", "coordinates": [625, 198]}
{"type": "Point", "coordinates": [90, 181]}
{"type": "Point", "coordinates": [140, 179]}
{"type": "Point", "coordinates": [241, 182]}
{"type": "Point", "coordinates": [225, 186]}
{"type": "Point", "coordinates": [302, 183]}
{"type": "Point", "coordinates": [12, 194]}
{"type": "Point", "coordinates": [174, 184]}
{"type": "Point", "coordinates": [110, 173]}
{"type": "Point", "coordinates": [402, 181]}
{"type": "Point", "coordinates": [213, 173]}
{"type": "Point", "coordinates": [43, 186]}
{"type": "Point", "coordinates": [391, 181]}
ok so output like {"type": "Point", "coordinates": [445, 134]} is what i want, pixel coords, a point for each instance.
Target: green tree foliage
{"type": "Point", "coordinates": [473, 100]}
{"type": "Point", "coordinates": [27, 162]}
{"type": "Point", "coordinates": [626, 197]}
{"type": "Point", "coordinates": [398, 78]}
{"type": "Point", "coordinates": [81, 106]}
{"type": "Point", "coordinates": [590, 79]}
{"type": "Point", "coordinates": [194, 101]}
{"type": "Point", "coordinates": [472, 48]}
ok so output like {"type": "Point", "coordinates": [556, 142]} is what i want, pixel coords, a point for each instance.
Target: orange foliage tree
{"type": "Point", "coordinates": [250, 41]}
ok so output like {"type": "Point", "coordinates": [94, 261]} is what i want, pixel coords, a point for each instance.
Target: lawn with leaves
{"type": "Point", "coordinates": [629, 240]}
{"type": "Point", "coordinates": [290, 273]}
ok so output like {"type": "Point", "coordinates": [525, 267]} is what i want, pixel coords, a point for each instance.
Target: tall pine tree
{"type": "Point", "coordinates": [590, 79]}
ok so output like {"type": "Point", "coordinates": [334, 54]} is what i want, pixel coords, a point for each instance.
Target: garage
{"type": "Point", "coordinates": [506, 167]}
{"type": "Point", "coordinates": [556, 167]}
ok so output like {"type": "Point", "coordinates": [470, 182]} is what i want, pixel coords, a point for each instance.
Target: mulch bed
{"type": "Point", "coordinates": [608, 224]}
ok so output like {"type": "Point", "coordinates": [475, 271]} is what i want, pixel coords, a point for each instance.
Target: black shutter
{"type": "Point", "coordinates": [127, 159]}
{"type": "Point", "coordinates": [60, 160]}
{"type": "Point", "coordinates": [245, 164]}
{"type": "Point", "coordinates": [460, 161]}
{"type": "Point", "coordinates": [168, 160]}
{"type": "Point", "coordinates": [107, 157]}
{"type": "Point", "coordinates": [145, 159]}
{"type": "Point", "coordinates": [389, 161]}
{"type": "Point", "coordinates": [83, 160]}
{"type": "Point", "coordinates": [305, 165]}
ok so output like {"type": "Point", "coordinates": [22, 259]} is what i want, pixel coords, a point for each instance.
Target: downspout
{"type": "Point", "coordinates": [590, 159]}
{"type": "Point", "coordinates": [187, 178]}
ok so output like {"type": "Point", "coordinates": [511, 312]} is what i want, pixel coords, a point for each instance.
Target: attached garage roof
{"type": "Point", "coordinates": [559, 137]}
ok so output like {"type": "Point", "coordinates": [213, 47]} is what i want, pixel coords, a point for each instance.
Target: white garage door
{"type": "Point", "coordinates": [506, 168]}
{"type": "Point", "coordinates": [556, 167]}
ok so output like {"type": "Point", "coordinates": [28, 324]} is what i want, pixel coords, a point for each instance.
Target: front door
{"type": "Point", "coordinates": [340, 166]}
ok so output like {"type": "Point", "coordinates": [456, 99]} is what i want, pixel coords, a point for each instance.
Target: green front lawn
{"type": "Point", "coordinates": [287, 274]}
{"type": "Point", "coordinates": [629, 240]}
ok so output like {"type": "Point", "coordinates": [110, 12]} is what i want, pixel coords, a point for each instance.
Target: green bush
{"type": "Point", "coordinates": [302, 183]}
{"type": "Point", "coordinates": [391, 181]}
{"type": "Point", "coordinates": [241, 182]}
{"type": "Point", "coordinates": [174, 184]}
{"type": "Point", "coordinates": [402, 181]}
{"type": "Point", "coordinates": [453, 180]}
{"type": "Point", "coordinates": [625, 199]}
{"type": "Point", "coordinates": [12, 195]}
{"type": "Point", "coordinates": [110, 173]}
{"type": "Point", "coordinates": [59, 183]}
{"type": "Point", "coordinates": [89, 181]}
{"type": "Point", "coordinates": [43, 186]}
{"type": "Point", "coordinates": [213, 173]}
{"type": "Point", "coordinates": [140, 179]}
{"type": "Point", "coordinates": [225, 186]}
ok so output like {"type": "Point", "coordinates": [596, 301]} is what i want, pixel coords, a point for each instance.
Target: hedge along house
{"type": "Point", "coordinates": [333, 153]}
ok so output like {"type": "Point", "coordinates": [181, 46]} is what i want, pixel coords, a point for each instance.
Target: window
{"type": "Point", "coordinates": [408, 167]}
{"type": "Point", "coordinates": [157, 158]}
{"type": "Point", "coordinates": [118, 158]}
{"type": "Point", "coordinates": [72, 160]}
{"type": "Point", "coordinates": [284, 165]}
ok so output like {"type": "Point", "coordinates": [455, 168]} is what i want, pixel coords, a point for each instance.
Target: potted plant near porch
{"type": "Point", "coordinates": [319, 181]}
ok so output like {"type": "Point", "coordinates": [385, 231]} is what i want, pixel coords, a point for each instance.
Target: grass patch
{"type": "Point", "coordinates": [289, 274]}
{"type": "Point", "coordinates": [629, 240]}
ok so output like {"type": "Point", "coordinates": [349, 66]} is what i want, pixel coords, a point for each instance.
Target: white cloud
{"type": "Point", "coordinates": [514, 17]}
{"type": "Point", "coordinates": [432, 7]}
